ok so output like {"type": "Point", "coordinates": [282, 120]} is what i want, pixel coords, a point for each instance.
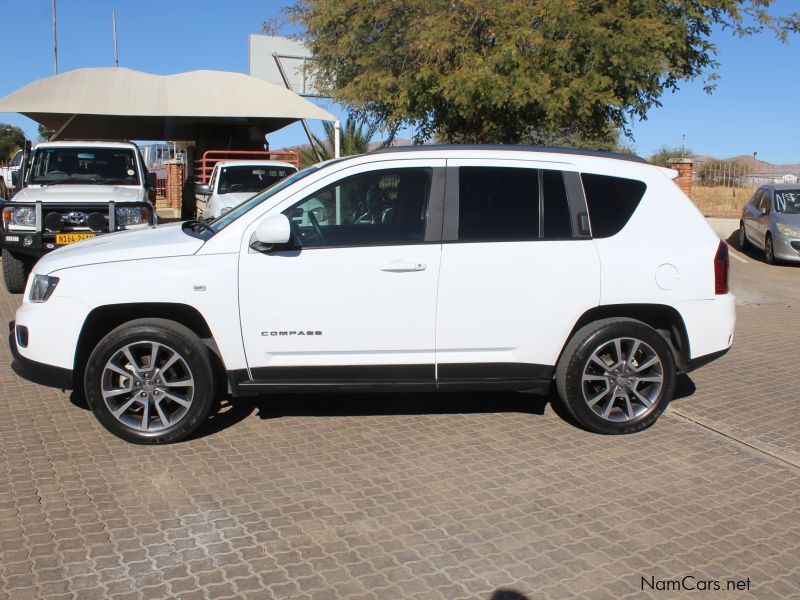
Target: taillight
{"type": "Point", "coordinates": [722, 267]}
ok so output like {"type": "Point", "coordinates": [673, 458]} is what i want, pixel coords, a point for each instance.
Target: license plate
{"type": "Point", "coordinates": [69, 238]}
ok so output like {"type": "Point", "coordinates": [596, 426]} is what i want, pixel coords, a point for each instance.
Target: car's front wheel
{"type": "Point", "coordinates": [769, 250]}
{"type": "Point", "coordinates": [150, 381]}
{"type": "Point", "coordinates": [616, 376]}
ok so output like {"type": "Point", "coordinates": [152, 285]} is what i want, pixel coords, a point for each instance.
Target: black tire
{"type": "Point", "coordinates": [576, 357]}
{"type": "Point", "coordinates": [15, 272]}
{"type": "Point", "coordinates": [743, 243]}
{"type": "Point", "coordinates": [769, 250]}
{"type": "Point", "coordinates": [177, 338]}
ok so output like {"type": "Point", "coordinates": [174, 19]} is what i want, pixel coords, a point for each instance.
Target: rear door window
{"type": "Point", "coordinates": [498, 204]}
{"type": "Point", "coordinates": [611, 202]}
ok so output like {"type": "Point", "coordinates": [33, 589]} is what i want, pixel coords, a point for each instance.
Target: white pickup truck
{"type": "Point", "coordinates": [74, 190]}
{"type": "Point", "coordinates": [6, 175]}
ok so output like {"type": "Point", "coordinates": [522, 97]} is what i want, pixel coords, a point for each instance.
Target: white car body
{"type": "Point", "coordinates": [7, 171]}
{"type": "Point", "coordinates": [420, 315]}
{"type": "Point", "coordinates": [219, 202]}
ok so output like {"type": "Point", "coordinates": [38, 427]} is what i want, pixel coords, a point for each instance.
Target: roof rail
{"type": "Point", "coordinates": [510, 148]}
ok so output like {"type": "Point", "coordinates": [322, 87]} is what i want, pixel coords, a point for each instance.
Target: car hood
{"type": "Point", "coordinates": [154, 242]}
{"type": "Point", "coordinates": [79, 193]}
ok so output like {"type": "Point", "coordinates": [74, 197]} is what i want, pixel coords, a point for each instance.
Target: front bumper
{"type": "Point", "coordinates": [786, 248]}
{"type": "Point", "coordinates": [35, 371]}
{"type": "Point", "coordinates": [40, 241]}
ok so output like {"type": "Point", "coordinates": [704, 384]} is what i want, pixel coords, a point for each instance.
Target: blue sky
{"type": "Point", "coordinates": [754, 109]}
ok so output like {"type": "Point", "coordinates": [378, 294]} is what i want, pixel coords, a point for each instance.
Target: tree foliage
{"type": "Point", "coordinates": [11, 139]}
{"type": "Point", "coordinates": [478, 71]}
{"type": "Point", "coordinates": [662, 156]}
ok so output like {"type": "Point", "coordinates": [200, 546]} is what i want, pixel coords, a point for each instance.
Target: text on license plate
{"type": "Point", "coordinates": [68, 238]}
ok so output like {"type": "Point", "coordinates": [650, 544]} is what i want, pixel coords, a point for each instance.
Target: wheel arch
{"type": "Point", "coordinates": [661, 317]}
{"type": "Point", "coordinates": [103, 319]}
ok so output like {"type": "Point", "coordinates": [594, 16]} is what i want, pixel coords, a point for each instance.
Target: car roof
{"type": "Point", "coordinates": [87, 143]}
{"type": "Point", "coordinates": [512, 148]}
{"type": "Point", "coordinates": [783, 186]}
{"type": "Point", "coordinates": [254, 163]}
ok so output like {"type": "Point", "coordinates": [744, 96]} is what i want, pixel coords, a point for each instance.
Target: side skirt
{"type": "Point", "coordinates": [393, 378]}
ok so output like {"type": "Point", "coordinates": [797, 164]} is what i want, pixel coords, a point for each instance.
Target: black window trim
{"type": "Point", "coordinates": [575, 199]}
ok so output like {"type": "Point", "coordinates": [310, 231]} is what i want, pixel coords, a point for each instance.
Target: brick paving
{"type": "Point", "coordinates": [384, 496]}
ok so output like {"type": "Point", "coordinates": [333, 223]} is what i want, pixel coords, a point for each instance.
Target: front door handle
{"type": "Point", "coordinates": [401, 266]}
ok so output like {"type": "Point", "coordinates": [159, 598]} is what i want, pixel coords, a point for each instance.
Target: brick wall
{"type": "Point", "coordinates": [684, 167]}
{"type": "Point", "coordinates": [174, 188]}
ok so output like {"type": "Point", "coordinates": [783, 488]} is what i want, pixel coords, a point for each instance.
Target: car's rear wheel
{"type": "Point", "coordinates": [150, 381]}
{"type": "Point", "coordinates": [616, 376]}
{"type": "Point", "coordinates": [15, 272]}
{"type": "Point", "coordinates": [769, 250]}
{"type": "Point", "coordinates": [742, 237]}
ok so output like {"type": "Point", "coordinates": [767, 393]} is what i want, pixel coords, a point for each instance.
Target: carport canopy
{"type": "Point", "coordinates": [118, 103]}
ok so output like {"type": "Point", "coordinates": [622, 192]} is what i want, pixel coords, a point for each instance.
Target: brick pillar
{"type": "Point", "coordinates": [175, 184]}
{"type": "Point", "coordinates": [684, 167]}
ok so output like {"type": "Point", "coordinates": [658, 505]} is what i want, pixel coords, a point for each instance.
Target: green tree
{"type": "Point", "coordinates": [662, 156]}
{"type": "Point", "coordinates": [488, 72]}
{"type": "Point", "coordinates": [354, 138]}
{"type": "Point", "coordinates": [11, 139]}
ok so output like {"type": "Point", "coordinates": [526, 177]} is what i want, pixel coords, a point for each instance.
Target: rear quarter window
{"type": "Point", "coordinates": [611, 202]}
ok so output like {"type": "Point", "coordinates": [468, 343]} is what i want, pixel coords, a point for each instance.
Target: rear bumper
{"type": "Point", "coordinates": [35, 371]}
{"type": "Point", "coordinates": [702, 361]}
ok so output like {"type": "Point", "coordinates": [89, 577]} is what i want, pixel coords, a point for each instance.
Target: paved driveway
{"type": "Point", "coordinates": [452, 496]}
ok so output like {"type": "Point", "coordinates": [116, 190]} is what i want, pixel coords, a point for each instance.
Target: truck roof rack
{"type": "Point", "coordinates": [511, 148]}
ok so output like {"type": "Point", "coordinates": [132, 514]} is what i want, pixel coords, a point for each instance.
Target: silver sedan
{"type": "Point", "coordinates": [771, 222]}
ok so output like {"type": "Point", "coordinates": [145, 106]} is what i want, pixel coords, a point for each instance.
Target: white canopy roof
{"type": "Point", "coordinates": [119, 103]}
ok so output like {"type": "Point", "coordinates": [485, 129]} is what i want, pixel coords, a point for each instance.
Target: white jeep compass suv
{"type": "Point", "coordinates": [422, 268]}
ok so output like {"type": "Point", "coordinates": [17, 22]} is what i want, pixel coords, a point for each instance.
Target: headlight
{"type": "Point", "coordinates": [131, 216]}
{"type": "Point", "coordinates": [42, 287]}
{"type": "Point", "coordinates": [788, 230]}
{"type": "Point", "coordinates": [24, 216]}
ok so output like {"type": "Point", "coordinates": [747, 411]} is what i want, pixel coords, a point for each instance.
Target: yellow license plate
{"type": "Point", "coordinates": [69, 238]}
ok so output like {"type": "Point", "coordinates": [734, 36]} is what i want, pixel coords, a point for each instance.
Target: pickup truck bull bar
{"type": "Point", "coordinates": [82, 219]}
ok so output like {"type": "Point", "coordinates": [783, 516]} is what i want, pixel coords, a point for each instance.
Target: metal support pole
{"type": "Point", "coordinates": [337, 127]}
{"type": "Point", "coordinates": [114, 24]}
{"type": "Point", "coordinates": [55, 45]}
{"type": "Point", "coordinates": [277, 59]}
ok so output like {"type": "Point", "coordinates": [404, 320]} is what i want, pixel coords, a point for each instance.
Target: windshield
{"type": "Point", "coordinates": [230, 217]}
{"type": "Point", "coordinates": [250, 178]}
{"type": "Point", "coordinates": [59, 165]}
{"type": "Point", "coordinates": [788, 201]}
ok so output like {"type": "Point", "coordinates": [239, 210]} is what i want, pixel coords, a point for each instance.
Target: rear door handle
{"type": "Point", "coordinates": [401, 266]}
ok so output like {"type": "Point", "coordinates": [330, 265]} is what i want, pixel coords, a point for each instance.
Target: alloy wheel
{"type": "Point", "coordinates": [622, 379]}
{"type": "Point", "coordinates": [147, 386]}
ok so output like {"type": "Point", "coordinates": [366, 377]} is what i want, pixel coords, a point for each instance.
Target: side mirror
{"type": "Point", "coordinates": [202, 189]}
{"type": "Point", "coordinates": [764, 212]}
{"type": "Point", "coordinates": [272, 231]}
{"type": "Point", "coordinates": [15, 178]}
{"type": "Point", "coordinates": [151, 181]}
